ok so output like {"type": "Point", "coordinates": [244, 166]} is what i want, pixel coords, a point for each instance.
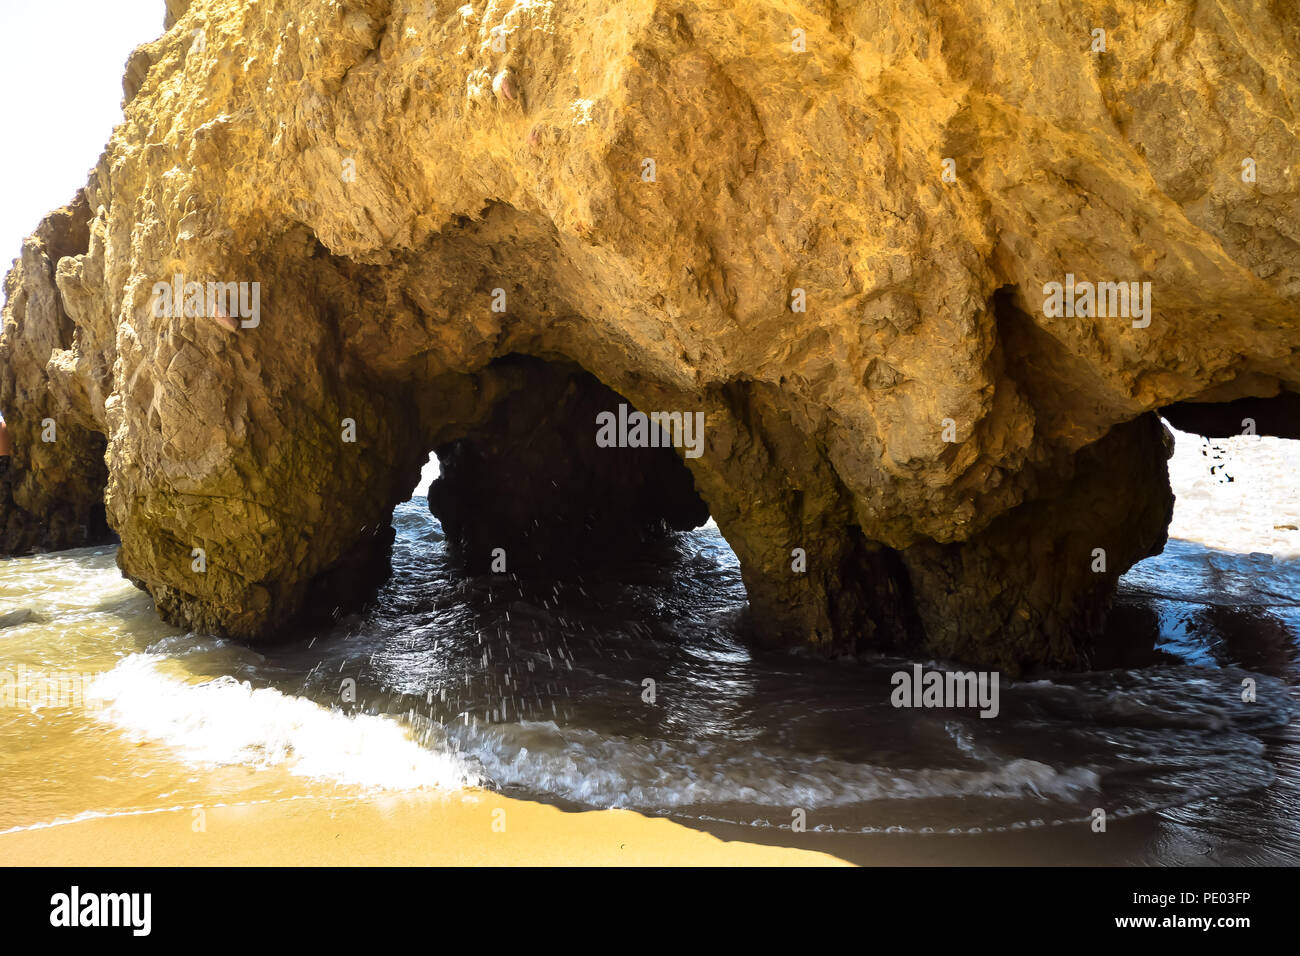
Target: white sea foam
{"type": "Point", "coordinates": [604, 770]}
{"type": "Point", "coordinates": [223, 722]}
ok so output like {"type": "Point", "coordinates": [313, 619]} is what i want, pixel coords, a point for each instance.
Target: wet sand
{"type": "Point", "coordinates": [407, 830]}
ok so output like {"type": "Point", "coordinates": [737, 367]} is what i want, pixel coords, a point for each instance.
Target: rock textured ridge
{"type": "Point", "coordinates": [826, 226]}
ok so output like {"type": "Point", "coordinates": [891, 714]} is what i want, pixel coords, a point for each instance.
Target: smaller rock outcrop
{"type": "Point", "coordinates": [52, 485]}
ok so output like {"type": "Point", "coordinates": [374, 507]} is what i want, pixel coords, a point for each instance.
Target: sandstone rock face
{"type": "Point", "coordinates": [827, 227]}
{"type": "Point", "coordinates": [52, 487]}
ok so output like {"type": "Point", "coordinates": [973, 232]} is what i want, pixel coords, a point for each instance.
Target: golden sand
{"type": "Point", "coordinates": [467, 828]}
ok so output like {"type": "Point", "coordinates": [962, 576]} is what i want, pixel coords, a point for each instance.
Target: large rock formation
{"type": "Point", "coordinates": [826, 226]}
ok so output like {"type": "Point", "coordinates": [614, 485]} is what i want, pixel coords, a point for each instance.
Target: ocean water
{"type": "Point", "coordinates": [634, 687]}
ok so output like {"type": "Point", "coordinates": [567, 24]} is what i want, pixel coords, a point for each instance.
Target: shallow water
{"type": "Point", "coordinates": [539, 690]}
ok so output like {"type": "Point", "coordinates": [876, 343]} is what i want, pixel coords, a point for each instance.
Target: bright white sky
{"type": "Point", "coordinates": [61, 65]}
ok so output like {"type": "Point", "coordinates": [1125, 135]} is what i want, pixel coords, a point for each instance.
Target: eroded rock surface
{"type": "Point", "coordinates": [52, 486]}
{"type": "Point", "coordinates": [650, 192]}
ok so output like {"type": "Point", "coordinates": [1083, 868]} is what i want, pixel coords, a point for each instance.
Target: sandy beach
{"type": "Point", "coordinates": [411, 829]}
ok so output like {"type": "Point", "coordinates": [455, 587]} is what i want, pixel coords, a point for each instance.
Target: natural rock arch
{"type": "Point", "coordinates": [361, 165]}
{"type": "Point", "coordinates": [528, 484]}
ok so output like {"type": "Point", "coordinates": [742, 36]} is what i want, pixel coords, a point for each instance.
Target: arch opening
{"type": "Point", "coordinates": [530, 487]}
